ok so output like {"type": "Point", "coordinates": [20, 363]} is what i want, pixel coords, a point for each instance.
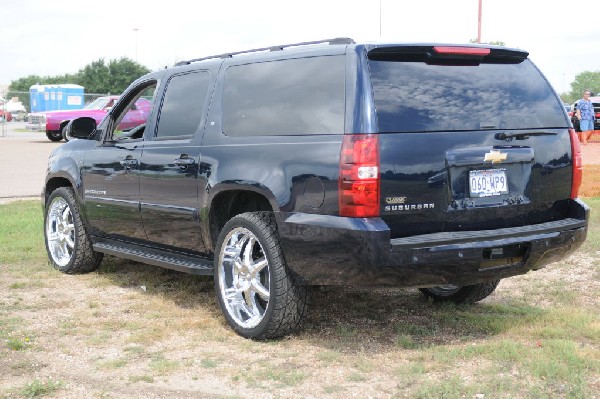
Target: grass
{"type": "Point", "coordinates": [593, 239]}
{"type": "Point", "coordinates": [37, 388]}
{"type": "Point", "coordinates": [537, 336]}
{"type": "Point", "coordinates": [21, 233]}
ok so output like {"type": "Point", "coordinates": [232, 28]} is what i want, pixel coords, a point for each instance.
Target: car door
{"type": "Point", "coordinates": [110, 175]}
{"type": "Point", "coordinates": [170, 163]}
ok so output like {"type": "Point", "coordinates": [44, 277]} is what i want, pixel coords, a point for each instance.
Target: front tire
{"type": "Point", "coordinates": [255, 289]}
{"type": "Point", "coordinates": [467, 294]}
{"type": "Point", "coordinates": [63, 133]}
{"type": "Point", "coordinates": [67, 242]}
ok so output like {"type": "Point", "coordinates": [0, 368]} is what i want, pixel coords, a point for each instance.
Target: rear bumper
{"type": "Point", "coordinates": [329, 250]}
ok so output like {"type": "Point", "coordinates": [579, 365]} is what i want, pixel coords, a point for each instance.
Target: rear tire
{"type": "Point", "coordinates": [256, 291]}
{"type": "Point", "coordinates": [467, 294]}
{"type": "Point", "coordinates": [54, 135]}
{"type": "Point", "coordinates": [67, 242]}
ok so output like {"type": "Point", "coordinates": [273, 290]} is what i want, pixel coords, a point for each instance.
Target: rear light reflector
{"type": "Point", "coordinates": [359, 176]}
{"type": "Point", "coordinates": [462, 50]}
{"type": "Point", "coordinates": [577, 164]}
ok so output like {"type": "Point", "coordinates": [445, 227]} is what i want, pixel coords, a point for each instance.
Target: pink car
{"type": "Point", "coordinates": [54, 122]}
{"type": "Point", "coordinates": [6, 115]}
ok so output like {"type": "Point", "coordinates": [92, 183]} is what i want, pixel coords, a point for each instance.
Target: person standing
{"type": "Point", "coordinates": [585, 114]}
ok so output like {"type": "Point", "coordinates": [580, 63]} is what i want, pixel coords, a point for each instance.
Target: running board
{"type": "Point", "coordinates": [151, 256]}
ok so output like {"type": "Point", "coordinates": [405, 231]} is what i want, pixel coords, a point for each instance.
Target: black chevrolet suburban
{"type": "Point", "coordinates": [442, 167]}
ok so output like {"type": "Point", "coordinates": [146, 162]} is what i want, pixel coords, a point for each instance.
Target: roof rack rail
{"type": "Point", "coordinates": [337, 40]}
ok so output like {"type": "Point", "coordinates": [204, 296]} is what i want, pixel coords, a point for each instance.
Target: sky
{"type": "Point", "coordinates": [48, 38]}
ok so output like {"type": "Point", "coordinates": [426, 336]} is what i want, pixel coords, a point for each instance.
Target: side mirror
{"type": "Point", "coordinates": [80, 128]}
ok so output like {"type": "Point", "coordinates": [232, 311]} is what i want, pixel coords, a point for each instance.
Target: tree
{"type": "Point", "coordinates": [98, 77]}
{"type": "Point", "coordinates": [94, 77]}
{"type": "Point", "coordinates": [23, 84]}
{"type": "Point", "coordinates": [586, 80]}
{"type": "Point", "coordinates": [123, 72]}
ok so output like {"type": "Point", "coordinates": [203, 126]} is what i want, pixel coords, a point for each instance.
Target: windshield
{"type": "Point", "coordinates": [98, 103]}
{"type": "Point", "coordinates": [415, 96]}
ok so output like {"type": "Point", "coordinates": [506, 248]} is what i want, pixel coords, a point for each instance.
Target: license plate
{"type": "Point", "coordinates": [487, 183]}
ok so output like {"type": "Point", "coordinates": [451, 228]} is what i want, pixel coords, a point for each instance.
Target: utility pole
{"type": "Point", "coordinates": [136, 43]}
{"type": "Point", "coordinates": [380, 19]}
{"type": "Point", "coordinates": [479, 24]}
{"type": "Point", "coordinates": [3, 122]}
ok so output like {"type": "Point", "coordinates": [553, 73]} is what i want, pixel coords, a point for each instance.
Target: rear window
{"type": "Point", "coordinates": [415, 97]}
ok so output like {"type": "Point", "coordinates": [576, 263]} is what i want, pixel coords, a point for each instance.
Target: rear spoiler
{"type": "Point", "coordinates": [447, 54]}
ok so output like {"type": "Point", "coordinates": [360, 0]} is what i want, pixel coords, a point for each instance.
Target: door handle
{"type": "Point", "coordinates": [128, 163]}
{"type": "Point", "coordinates": [184, 161]}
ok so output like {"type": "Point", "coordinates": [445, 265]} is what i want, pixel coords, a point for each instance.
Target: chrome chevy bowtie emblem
{"type": "Point", "coordinates": [495, 156]}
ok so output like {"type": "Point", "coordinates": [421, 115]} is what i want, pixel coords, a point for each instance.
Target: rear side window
{"type": "Point", "coordinates": [287, 97]}
{"type": "Point", "coordinates": [415, 97]}
{"type": "Point", "coordinates": [183, 105]}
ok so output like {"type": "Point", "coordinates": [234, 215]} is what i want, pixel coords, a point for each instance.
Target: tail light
{"type": "Point", "coordinates": [476, 51]}
{"type": "Point", "coordinates": [359, 176]}
{"type": "Point", "coordinates": [577, 164]}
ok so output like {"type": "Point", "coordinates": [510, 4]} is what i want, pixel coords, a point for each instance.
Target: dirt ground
{"type": "Point", "coordinates": [130, 331]}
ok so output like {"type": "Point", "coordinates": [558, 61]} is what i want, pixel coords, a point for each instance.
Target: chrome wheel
{"type": "Point", "coordinates": [243, 273]}
{"type": "Point", "coordinates": [60, 231]}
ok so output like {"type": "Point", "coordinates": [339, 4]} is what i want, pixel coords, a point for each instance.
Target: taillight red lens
{"type": "Point", "coordinates": [359, 176]}
{"type": "Point", "coordinates": [462, 50]}
{"type": "Point", "coordinates": [577, 164]}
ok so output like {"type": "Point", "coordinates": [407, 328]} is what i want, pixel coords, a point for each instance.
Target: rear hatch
{"type": "Point", "coordinates": [470, 139]}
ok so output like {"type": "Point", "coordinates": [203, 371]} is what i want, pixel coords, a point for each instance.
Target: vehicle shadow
{"type": "Point", "coordinates": [345, 319]}
{"type": "Point", "coordinates": [352, 319]}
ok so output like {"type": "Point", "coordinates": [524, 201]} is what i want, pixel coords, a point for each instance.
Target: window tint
{"type": "Point", "coordinates": [183, 105]}
{"type": "Point", "coordinates": [288, 97]}
{"type": "Point", "coordinates": [414, 96]}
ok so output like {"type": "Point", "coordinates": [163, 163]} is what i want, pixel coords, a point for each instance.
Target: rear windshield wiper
{"type": "Point", "coordinates": [521, 135]}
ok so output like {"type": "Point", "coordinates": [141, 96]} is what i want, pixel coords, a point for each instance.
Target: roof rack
{"type": "Point", "coordinates": [337, 40]}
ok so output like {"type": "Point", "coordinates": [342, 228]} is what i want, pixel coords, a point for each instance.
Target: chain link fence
{"type": "Point", "coordinates": [16, 108]}
{"type": "Point", "coordinates": [591, 167]}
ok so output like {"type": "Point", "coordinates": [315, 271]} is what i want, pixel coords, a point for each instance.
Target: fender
{"type": "Point", "coordinates": [65, 163]}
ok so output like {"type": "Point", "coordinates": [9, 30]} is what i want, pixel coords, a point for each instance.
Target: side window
{"type": "Point", "coordinates": [183, 106]}
{"type": "Point", "coordinates": [288, 97]}
{"type": "Point", "coordinates": [131, 115]}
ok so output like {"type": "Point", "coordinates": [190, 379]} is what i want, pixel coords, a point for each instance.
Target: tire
{"type": "Point", "coordinates": [67, 242]}
{"type": "Point", "coordinates": [255, 289]}
{"type": "Point", "coordinates": [54, 135]}
{"type": "Point", "coordinates": [63, 133]}
{"type": "Point", "coordinates": [467, 294]}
